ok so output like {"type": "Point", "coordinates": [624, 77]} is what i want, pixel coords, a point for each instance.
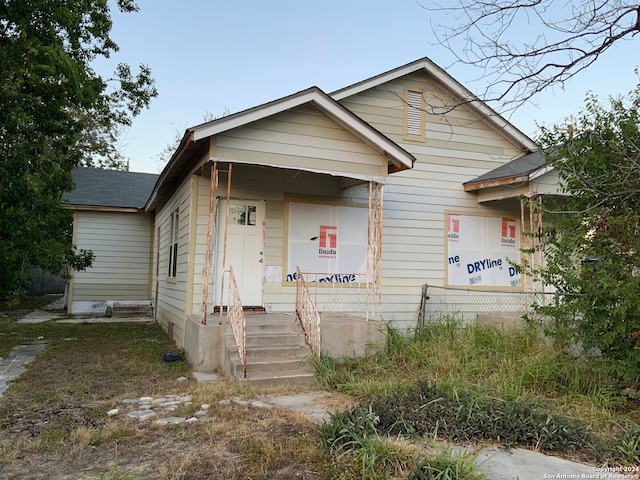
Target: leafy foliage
{"type": "Point", "coordinates": [595, 251]}
{"type": "Point", "coordinates": [56, 113]}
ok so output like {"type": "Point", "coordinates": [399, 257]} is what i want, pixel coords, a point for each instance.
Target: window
{"type": "Point", "coordinates": [242, 215]}
{"type": "Point", "coordinates": [157, 252]}
{"type": "Point", "coordinates": [414, 115]}
{"type": "Point", "coordinates": [173, 244]}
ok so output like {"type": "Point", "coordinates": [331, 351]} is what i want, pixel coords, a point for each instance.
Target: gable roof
{"type": "Point", "coordinates": [466, 97]}
{"type": "Point", "coordinates": [98, 189]}
{"type": "Point", "coordinates": [330, 107]}
{"type": "Point", "coordinates": [519, 170]}
{"type": "Point", "coordinates": [194, 137]}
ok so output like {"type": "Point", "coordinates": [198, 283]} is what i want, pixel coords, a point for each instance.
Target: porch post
{"type": "Point", "coordinates": [374, 250]}
{"type": "Point", "coordinates": [224, 247]}
{"type": "Point", "coordinates": [210, 226]}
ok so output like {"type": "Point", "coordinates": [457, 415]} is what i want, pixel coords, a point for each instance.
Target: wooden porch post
{"type": "Point", "coordinates": [210, 227]}
{"type": "Point", "coordinates": [224, 247]}
{"type": "Point", "coordinates": [374, 247]}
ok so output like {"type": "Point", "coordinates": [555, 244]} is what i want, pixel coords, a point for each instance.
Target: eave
{"type": "Point", "coordinates": [470, 187]}
{"type": "Point", "coordinates": [102, 208]}
{"type": "Point", "coordinates": [196, 140]}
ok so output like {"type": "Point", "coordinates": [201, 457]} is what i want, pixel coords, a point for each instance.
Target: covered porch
{"type": "Point", "coordinates": [274, 289]}
{"type": "Point", "coordinates": [284, 206]}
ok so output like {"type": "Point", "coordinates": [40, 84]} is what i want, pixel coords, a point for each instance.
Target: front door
{"type": "Point", "coordinates": [245, 250]}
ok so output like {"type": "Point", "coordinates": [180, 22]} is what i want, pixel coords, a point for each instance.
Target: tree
{"type": "Point", "coordinates": [170, 148]}
{"type": "Point", "coordinates": [594, 253]}
{"type": "Point", "coordinates": [526, 46]}
{"type": "Point", "coordinates": [56, 113]}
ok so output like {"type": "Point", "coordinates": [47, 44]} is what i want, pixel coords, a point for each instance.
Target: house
{"type": "Point", "coordinates": [344, 204]}
{"type": "Point", "coordinates": [109, 218]}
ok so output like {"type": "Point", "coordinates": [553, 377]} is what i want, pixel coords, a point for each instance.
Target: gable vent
{"type": "Point", "coordinates": [414, 115]}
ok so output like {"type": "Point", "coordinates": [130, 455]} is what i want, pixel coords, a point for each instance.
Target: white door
{"type": "Point", "coordinates": [245, 250]}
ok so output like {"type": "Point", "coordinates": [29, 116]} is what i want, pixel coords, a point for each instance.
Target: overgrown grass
{"type": "Point", "coordinates": [507, 385]}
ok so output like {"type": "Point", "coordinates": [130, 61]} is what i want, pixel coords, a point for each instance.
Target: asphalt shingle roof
{"type": "Point", "coordinates": [110, 188]}
{"type": "Point", "coordinates": [518, 167]}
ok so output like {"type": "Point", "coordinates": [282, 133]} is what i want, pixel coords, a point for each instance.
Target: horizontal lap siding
{"type": "Point", "coordinates": [302, 138]}
{"type": "Point", "coordinates": [120, 270]}
{"type": "Point", "coordinates": [458, 146]}
{"type": "Point", "coordinates": [172, 293]}
{"type": "Point", "coordinates": [277, 297]}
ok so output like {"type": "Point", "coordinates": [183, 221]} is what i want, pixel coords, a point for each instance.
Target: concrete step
{"type": "Point", "coordinates": [131, 311]}
{"type": "Point", "coordinates": [280, 379]}
{"type": "Point", "coordinates": [272, 328]}
{"type": "Point", "coordinates": [276, 353]}
{"type": "Point", "coordinates": [262, 340]}
{"type": "Point", "coordinates": [271, 365]}
{"type": "Point", "coordinates": [292, 351]}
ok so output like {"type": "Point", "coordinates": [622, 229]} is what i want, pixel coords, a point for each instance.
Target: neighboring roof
{"type": "Point", "coordinates": [521, 169]}
{"type": "Point", "coordinates": [466, 97]}
{"type": "Point", "coordinates": [194, 136]}
{"type": "Point", "coordinates": [97, 189]}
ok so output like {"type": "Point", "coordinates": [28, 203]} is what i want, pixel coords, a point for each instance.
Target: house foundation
{"type": "Point", "coordinates": [275, 344]}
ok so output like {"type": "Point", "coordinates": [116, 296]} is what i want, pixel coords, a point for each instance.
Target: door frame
{"type": "Point", "coordinates": [221, 203]}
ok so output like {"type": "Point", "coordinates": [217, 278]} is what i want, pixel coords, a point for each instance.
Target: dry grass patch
{"type": "Point", "coordinates": [54, 425]}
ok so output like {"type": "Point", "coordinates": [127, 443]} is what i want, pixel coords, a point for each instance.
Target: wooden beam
{"type": "Point", "coordinates": [100, 208]}
{"type": "Point", "coordinates": [470, 187]}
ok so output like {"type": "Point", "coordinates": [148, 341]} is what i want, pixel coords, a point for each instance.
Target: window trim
{"type": "Point", "coordinates": [174, 231]}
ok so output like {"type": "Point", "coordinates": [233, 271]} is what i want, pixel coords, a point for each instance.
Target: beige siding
{"type": "Point", "coordinates": [301, 138]}
{"type": "Point", "coordinates": [547, 184]}
{"type": "Point", "coordinates": [121, 242]}
{"type": "Point", "coordinates": [458, 146]}
{"type": "Point", "coordinates": [171, 300]}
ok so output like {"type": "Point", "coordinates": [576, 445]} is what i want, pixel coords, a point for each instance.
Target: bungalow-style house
{"type": "Point", "coordinates": [316, 206]}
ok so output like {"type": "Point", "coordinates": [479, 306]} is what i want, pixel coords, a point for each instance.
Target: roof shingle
{"type": "Point", "coordinates": [110, 188]}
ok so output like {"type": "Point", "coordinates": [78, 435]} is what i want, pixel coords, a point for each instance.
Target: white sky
{"type": "Point", "coordinates": [210, 55]}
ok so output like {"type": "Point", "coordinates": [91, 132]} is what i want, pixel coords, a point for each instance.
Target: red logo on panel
{"type": "Point", "coordinates": [508, 237]}
{"type": "Point", "coordinates": [453, 228]}
{"type": "Point", "coordinates": [328, 236]}
{"type": "Point", "coordinates": [328, 241]}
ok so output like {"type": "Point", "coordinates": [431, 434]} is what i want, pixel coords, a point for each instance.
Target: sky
{"type": "Point", "coordinates": [209, 57]}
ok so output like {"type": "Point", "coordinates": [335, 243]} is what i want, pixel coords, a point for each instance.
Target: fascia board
{"type": "Point", "coordinates": [356, 176]}
{"type": "Point", "coordinates": [540, 172]}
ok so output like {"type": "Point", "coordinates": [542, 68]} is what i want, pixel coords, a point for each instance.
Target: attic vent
{"type": "Point", "coordinates": [414, 115]}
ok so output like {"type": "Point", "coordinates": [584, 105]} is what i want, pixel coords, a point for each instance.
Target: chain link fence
{"type": "Point", "coordinates": [481, 306]}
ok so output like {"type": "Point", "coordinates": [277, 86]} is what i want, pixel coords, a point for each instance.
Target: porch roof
{"type": "Point", "coordinates": [520, 170]}
{"type": "Point", "coordinates": [194, 147]}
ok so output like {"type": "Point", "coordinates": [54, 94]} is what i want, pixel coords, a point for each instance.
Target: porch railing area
{"type": "Point", "coordinates": [307, 314]}
{"type": "Point", "coordinates": [341, 295]}
{"type": "Point", "coordinates": [235, 316]}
